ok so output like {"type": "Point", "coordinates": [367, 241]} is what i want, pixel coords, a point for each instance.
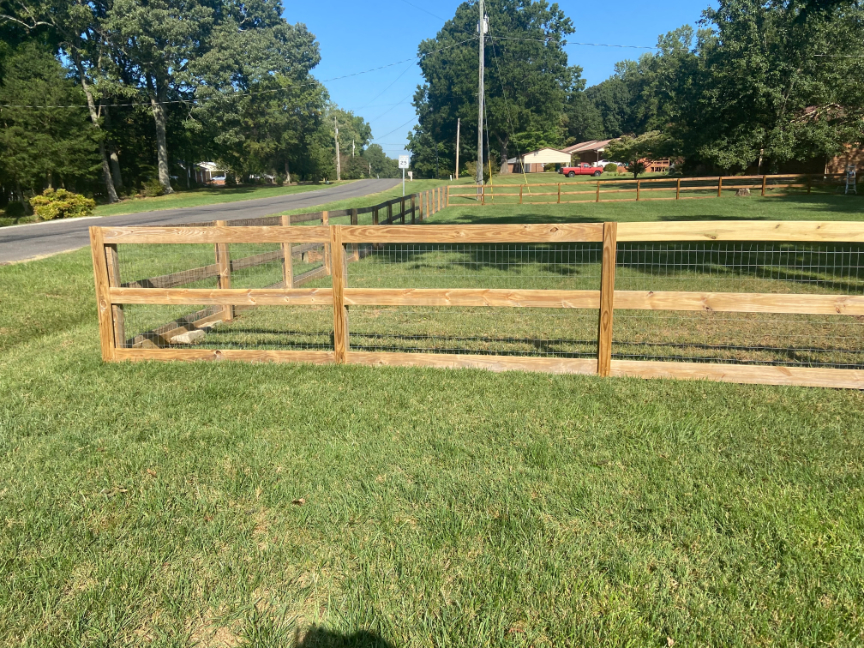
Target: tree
{"type": "Point", "coordinates": [526, 82]}
{"type": "Point", "coordinates": [582, 120]}
{"type": "Point", "coordinates": [379, 164]}
{"type": "Point", "coordinates": [633, 151]}
{"type": "Point", "coordinates": [43, 146]}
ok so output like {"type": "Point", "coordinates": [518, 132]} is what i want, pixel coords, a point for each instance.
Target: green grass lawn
{"type": "Point", "coordinates": [171, 504]}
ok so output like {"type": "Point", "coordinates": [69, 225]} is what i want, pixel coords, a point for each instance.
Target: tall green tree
{"type": "Point", "coordinates": [42, 146]}
{"type": "Point", "coordinates": [527, 79]}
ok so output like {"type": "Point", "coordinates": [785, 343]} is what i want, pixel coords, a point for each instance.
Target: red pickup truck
{"type": "Point", "coordinates": [581, 169]}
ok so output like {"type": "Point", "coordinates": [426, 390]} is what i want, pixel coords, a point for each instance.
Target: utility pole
{"type": "Point", "coordinates": [352, 147]}
{"type": "Point", "coordinates": [336, 138]}
{"type": "Point", "coordinates": [481, 92]}
{"type": "Point", "coordinates": [458, 126]}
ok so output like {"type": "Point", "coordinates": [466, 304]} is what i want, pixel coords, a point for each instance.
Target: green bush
{"type": "Point", "coordinates": [59, 203]}
{"type": "Point", "coordinates": [611, 168]}
{"type": "Point", "coordinates": [16, 209]}
{"type": "Point", "coordinates": [153, 188]}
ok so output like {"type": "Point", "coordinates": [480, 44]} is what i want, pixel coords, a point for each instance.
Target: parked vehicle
{"type": "Point", "coordinates": [581, 169]}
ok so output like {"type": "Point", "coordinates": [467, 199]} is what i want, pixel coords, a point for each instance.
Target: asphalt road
{"type": "Point", "coordinates": [41, 239]}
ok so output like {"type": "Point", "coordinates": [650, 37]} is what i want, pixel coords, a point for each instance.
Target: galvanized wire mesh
{"type": "Point", "coordinates": [740, 338]}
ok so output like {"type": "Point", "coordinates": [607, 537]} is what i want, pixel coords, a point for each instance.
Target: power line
{"type": "Point", "coordinates": [393, 107]}
{"type": "Point", "coordinates": [386, 89]}
{"type": "Point", "coordinates": [402, 126]}
{"type": "Point", "coordinates": [424, 11]}
{"type": "Point", "coordinates": [565, 43]}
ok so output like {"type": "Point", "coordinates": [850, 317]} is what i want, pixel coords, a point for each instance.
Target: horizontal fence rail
{"type": "Point", "coordinates": [671, 299]}
{"type": "Point", "coordinates": [621, 189]}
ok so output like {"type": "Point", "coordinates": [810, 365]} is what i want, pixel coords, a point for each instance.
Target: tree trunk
{"type": "Point", "coordinates": [503, 168]}
{"type": "Point", "coordinates": [161, 144]}
{"type": "Point", "coordinates": [287, 174]}
{"type": "Point", "coordinates": [94, 117]}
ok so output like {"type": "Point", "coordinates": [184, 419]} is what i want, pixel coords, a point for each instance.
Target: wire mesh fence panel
{"type": "Point", "coordinates": [254, 328]}
{"type": "Point", "coordinates": [564, 332]}
{"type": "Point", "coordinates": [543, 332]}
{"type": "Point", "coordinates": [166, 266]}
{"type": "Point", "coordinates": [742, 338]}
{"type": "Point", "coordinates": [835, 341]}
{"type": "Point", "coordinates": [571, 266]}
{"type": "Point", "coordinates": [741, 267]}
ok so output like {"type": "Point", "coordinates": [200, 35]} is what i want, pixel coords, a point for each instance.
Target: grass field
{"type": "Point", "coordinates": [229, 504]}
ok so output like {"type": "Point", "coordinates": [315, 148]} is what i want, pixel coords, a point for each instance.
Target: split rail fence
{"type": "Point", "coordinates": [616, 190]}
{"type": "Point", "coordinates": [808, 276]}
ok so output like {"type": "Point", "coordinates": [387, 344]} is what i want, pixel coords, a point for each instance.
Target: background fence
{"type": "Point", "coordinates": [619, 190]}
{"type": "Point", "coordinates": [752, 301]}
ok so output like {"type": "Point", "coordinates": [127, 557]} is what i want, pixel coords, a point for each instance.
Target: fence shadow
{"type": "Point", "coordinates": [318, 637]}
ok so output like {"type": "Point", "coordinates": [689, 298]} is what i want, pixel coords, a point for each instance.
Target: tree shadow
{"type": "Point", "coordinates": [710, 217]}
{"type": "Point", "coordinates": [317, 637]}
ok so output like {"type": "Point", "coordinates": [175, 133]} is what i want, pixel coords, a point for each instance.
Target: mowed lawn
{"type": "Point", "coordinates": [231, 504]}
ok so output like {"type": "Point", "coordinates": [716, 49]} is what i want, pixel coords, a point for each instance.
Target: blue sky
{"type": "Point", "coordinates": [357, 36]}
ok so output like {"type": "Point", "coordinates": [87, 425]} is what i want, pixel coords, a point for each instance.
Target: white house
{"type": "Point", "coordinates": [534, 161]}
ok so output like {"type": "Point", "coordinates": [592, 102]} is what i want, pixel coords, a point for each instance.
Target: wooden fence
{"type": "Point", "coordinates": [605, 299]}
{"type": "Point", "coordinates": [600, 190]}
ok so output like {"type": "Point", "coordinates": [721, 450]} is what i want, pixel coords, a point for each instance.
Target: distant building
{"type": "Point", "coordinates": [535, 161]}
{"type": "Point", "coordinates": [209, 173]}
{"type": "Point", "coordinates": [590, 151]}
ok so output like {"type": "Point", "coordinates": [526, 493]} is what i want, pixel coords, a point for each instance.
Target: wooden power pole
{"type": "Point", "coordinates": [458, 126]}
{"type": "Point", "coordinates": [481, 29]}
{"type": "Point", "coordinates": [336, 138]}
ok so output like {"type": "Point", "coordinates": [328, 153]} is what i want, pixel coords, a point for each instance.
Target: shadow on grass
{"type": "Point", "coordinates": [710, 217]}
{"type": "Point", "coordinates": [321, 638]}
{"type": "Point", "coordinates": [827, 202]}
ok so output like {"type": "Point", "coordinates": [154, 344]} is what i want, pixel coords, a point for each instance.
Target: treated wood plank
{"type": "Point", "coordinates": [112, 261]}
{"type": "Point", "coordinates": [785, 231]}
{"type": "Point", "coordinates": [243, 355]}
{"type": "Point", "coordinates": [458, 361]}
{"type": "Point", "coordinates": [309, 275]}
{"type": "Point", "coordinates": [472, 297]}
{"type": "Point", "coordinates": [161, 336]}
{"type": "Point", "coordinates": [340, 316]}
{"type": "Point", "coordinates": [748, 374]}
{"type": "Point", "coordinates": [287, 258]}
{"type": "Point", "coordinates": [103, 300]}
{"type": "Point", "coordinates": [223, 260]}
{"type": "Point", "coordinates": [192, 235]}
{"type": "Point", "coordinates": [176, 278]}
{"type": "Point", "coordinates": [553, 233]}
{"type": "Point", "coordinates": [256, 259]}
{"type": "Point", "coordinates": [607, 296]}
{"type": "Point", "coordinates": [806, 304]}
{"type": "Point", "coordinates": [233, 296]}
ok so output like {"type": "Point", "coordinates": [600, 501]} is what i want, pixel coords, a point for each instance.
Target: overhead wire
{"type": "Point", "coordinates": [249, 93]}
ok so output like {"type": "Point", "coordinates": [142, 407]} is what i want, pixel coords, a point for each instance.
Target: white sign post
{"type": "Point", "coordinates": [404, 161]}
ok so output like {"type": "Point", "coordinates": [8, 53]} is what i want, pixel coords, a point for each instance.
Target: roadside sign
{"type": "Point", "coordinates": [404, 161]}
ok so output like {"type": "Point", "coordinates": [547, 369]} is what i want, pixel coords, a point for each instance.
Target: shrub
{"type": "Point", "coordinates": [611, 168]}
{"type": "Point", "coordinates": [16, 209]}
{"type": "Point", "coordinates": [153, 188]}
{"type": "Point", "coordinates": [59, 203]}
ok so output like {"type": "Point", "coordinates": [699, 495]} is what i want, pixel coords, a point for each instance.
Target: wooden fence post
{"type": "Point", "coordinates": [483, 194]}
{"type": "Point", "coordinates": [113, 263]}
{"type": "Point", "coordinates": [638, 187]}
{"type": "Point", "coordinates": [719, 185]}
{"type": "Point", "coordinates": [375, 214]}
{"type": "Point", "coordinates": [340, 316]}
{"type": "Point", "coordinates": [430, 208]}
{"type": "Point", "coordinates": [559, 193]}
{"type": "Point", "coordinates": [678, 189]}
{"type": "Point", "coordinates": [520, 189]}
{"type": "Point", "coordinates": [103, 301]}
{"type": "Point", "coordinates": [288, 263]}
{"type": "Point", "coordinates": [223, 260]}
{"type": "Point", "coordinates": [598, 192]}
{"type": "Point", "coordinates": [328, 251]}
{"type": "Point", "coordinates": [356, 246]}
{"type": "Point", "coordinates": [389, 212]}
{"type": "Point", "coordinates": [402, 210]}
{"type": "Point", "coordinates": [413, 208]}
{"type": "Point", "coordinates": [764, 178]}
{"type": "Point", "coordinates": [447, 196]}
{"type": "Point", "coordinates": [607, 298]}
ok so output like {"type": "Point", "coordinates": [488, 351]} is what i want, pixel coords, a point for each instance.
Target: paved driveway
{"type": "Point", "coordinates": [39, 239]}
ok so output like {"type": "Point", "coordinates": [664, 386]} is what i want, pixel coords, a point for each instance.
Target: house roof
{"type": "Point", "coordinates": [590, 145]}
{"type": "Point", "coordinates": [543, 155]}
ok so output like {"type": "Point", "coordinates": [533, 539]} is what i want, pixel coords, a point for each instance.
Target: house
{"type": "Point", "coordinates": [209, 173]}
{"type": "Point", "coordinates": [535, 161]}
{"type": "Point", "coordinates": [590, 151]}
